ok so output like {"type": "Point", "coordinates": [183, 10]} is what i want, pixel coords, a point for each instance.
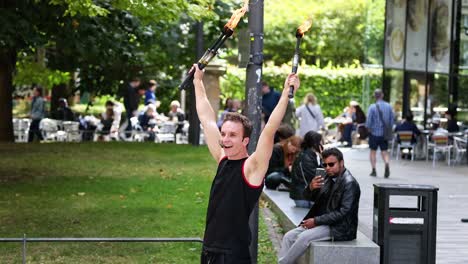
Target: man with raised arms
{"type": "Point", "coordinates": [238, 183]}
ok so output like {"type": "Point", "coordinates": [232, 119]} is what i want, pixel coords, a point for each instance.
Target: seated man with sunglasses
{"type": "Point", "coordinates": [334, 215]}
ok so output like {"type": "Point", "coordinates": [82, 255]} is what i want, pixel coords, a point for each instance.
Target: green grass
{"type": "Point", "coordinates": [106, 190]}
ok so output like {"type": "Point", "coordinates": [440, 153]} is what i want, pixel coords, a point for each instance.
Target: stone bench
{"type": "Point", "coordinates": [362, 250]}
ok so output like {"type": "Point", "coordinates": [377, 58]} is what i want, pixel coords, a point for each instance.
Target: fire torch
{"type": "Point", "coordinates": [211, 52]}
{"type": "Point", "coordinates": [295, 63]}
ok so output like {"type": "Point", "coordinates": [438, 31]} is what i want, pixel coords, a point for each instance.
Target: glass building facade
{"type": "Point", "coordinates": [426, 59]}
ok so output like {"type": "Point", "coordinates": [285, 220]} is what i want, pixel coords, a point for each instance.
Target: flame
{"type": "Point", "coordinates": [237, 15]}
{"type": "Point", "coordinates": [303, 28]}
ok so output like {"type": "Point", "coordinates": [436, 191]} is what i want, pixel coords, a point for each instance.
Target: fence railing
{"type": "Point", "coordinates": [24, 240]}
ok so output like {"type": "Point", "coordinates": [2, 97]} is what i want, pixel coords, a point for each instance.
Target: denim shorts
{"type": "Point", "coordinates": [376, 142]}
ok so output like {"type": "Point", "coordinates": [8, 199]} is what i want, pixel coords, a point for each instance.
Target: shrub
{"type": "Point", "coordinates": [334, 87]}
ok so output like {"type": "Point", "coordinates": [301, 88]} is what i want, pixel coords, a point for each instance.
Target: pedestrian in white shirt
{"type": "Point", "coordinates": [310, 115]}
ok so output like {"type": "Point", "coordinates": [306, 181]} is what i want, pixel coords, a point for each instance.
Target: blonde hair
{"type": "Point", "coordinates": [310, 98]}
{"type": "Point", "coordinates": [175, 103]}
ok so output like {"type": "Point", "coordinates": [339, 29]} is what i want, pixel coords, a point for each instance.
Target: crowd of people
{"type": "Point", "coordinates": [108, 125]}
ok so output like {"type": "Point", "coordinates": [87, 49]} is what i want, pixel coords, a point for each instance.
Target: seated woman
{"type": "Point", "coordinates": [284, 132]}
{"type": "Point", "coordinates": [110, 122]}
{"type": "Point", "coordinates": [360, 122]}
{"type": "Point", "coordinates": [148, 123]}
{"type": "Point", "coordinates": [282, 158]}
{"type": "Point", "coordinates": [177, 116]}
{"type": "Point", "coordinates": [304, 166]}
{"type": "Point", "coordinates": [347, 125]}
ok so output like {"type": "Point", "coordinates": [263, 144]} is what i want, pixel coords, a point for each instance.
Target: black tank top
{"type": "Point", "coordinates": [232, 199]}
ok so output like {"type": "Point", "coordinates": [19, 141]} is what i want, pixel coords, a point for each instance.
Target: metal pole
{"type": "Point", "coordinates": [253, 98]}
{"type": "Point", "coordinates": [426, 69]}
{"type": "Point", "coordinates": [102, 239]}
{"type": "Point", "coordinates": [454, 54]}
{"type": "Point", "coordinates": [24, 248]}
{"type": "Point", "coordinates": [194, 128]}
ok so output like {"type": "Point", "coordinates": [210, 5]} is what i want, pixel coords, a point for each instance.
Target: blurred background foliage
{"type": "Point", "coordinates": [95, 46]}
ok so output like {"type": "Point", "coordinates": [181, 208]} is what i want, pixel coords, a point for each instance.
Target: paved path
{"type": "Point", "coordinates": [452, 234]}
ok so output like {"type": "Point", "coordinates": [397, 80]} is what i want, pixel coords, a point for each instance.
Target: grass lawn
{"type": "Point", "coordinates": [107, 190]}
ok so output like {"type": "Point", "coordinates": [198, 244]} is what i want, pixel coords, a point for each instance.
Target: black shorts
{"type": "Point", "coordinates": [209, 256]}
{"type": "Point", "coordinates": [376, 142]}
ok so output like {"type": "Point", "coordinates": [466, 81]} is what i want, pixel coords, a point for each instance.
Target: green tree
{"type": "Point", "coordinates": [337, 35]}
{"type": "Point", "coordinates": [29, 24]}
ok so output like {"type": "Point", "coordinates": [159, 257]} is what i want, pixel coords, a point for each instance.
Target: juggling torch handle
{"type": "Point", "coordinates": [189, 78]}
{"type": "Point", "coordinates": [294, 70]}
{"type": "Point", "coordinates": [207, 57]}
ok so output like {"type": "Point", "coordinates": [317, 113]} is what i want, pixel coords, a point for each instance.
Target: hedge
{"type": "Point", "coordinates": [334, 87]}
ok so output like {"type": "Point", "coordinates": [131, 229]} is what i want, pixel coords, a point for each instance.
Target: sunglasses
{"type": "Point", "coordinates": [331, 164]}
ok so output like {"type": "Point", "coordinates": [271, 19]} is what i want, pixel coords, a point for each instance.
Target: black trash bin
{"type": "Point", "coordinates": [404, 223]}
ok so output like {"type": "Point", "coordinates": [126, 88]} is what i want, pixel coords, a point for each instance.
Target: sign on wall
{"type": "Point", "coordinates": [416, 35]}
{"type": "Point", "coordinates": [439, 32]}
{"type": "Point", "coordinates": [395, 34]}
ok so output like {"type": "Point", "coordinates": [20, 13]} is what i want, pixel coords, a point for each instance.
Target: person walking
{"type": "Point", "coordinates": [380, 124]}
{"type": "Point", "coordinates": [239, 178]}
{"type": "Point", "coordinates": [131, 94]}
{"type": "Point", "coordinates": [310, 115]}
{"type": "Point", "coordinates": [37, 114]}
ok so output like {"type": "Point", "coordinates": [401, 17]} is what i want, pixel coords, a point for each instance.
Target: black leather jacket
{"type": "Point", "coordinates": [303, 171]}
{"type": "Point", "coordinates": [342, 206]}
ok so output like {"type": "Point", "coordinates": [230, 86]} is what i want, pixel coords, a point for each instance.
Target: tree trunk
{"type": "Point", "coordinates": [7, 67]}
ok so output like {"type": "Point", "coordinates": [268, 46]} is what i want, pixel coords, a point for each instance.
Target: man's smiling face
{"type": "Point", "coordinates": [232, 139]}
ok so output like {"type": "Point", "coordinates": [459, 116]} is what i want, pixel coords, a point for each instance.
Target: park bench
{"type": "Point", "coordinates": [362, 250]}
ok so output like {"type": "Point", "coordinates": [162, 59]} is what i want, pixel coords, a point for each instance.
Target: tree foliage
{"type": "Point", "coordinates": [338, 33]}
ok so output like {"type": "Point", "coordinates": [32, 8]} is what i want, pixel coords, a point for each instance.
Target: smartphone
{"type": "Point", "coordinates": [320, 172]}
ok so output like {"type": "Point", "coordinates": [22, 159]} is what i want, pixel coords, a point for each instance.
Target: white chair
{"type": "Point", "coordinates": [138, 134]}
{"type": "Point", "coordinates": [166, 132]}
{"type": "Point", "coordinates": [405, 142]}
{"type": "Point", "coordinates": [72, 130]}
{"type": "Point", "coordinates": [16, 129]}
{"type": "Point", "coordinates": [49, 129]}
{"type": "Point", "coordinates": [21, 129]}
{"type": "Point", "coordinates": [440, 143]}
{"type": "Point", "coordinates": [460, 148]}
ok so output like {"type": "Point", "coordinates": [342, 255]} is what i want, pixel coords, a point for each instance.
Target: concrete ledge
{"type": "Point", "coordinates": [362, 250]}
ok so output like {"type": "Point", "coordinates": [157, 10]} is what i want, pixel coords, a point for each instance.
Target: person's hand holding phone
{"type": "Point", "coordinates": [317, 182]}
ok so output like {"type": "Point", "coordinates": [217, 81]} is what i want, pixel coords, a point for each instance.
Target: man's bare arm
{"type": "Point", "coordinates": [207, 116]}
{"type": "Point", "coordinates": [257, 164]}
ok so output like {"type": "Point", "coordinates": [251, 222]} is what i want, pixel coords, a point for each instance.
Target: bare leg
{"type": "Point", "coordinates": [373, 155]}
{"type": "Point", "coordinates": [385, 157]}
